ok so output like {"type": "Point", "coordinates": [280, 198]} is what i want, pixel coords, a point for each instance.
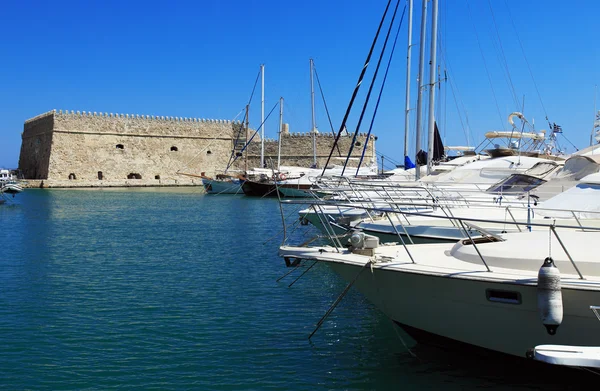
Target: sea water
{"type": "Point", "coordinates": [172, 289]}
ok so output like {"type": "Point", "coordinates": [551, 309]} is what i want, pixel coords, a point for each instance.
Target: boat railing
{"type": "Point", "coordinates": [464, 222]}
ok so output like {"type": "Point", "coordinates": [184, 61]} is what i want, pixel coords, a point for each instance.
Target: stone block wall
{"type": "Point", "coordinates": [297, 150]}
{"type": "Point", "coordinates": [36, 146]}
{"type": "Point", "coordinates": [102, 148]}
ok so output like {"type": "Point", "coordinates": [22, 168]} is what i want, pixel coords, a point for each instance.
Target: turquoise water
{"type": "Point", "coordinates": [170, 289]}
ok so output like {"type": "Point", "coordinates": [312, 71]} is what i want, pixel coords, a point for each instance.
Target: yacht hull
{"type": "Point", "coordinates": [460, 309]}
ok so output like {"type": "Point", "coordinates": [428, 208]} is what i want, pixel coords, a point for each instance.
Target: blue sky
{"type": "Point", "coordinates": [200, 59]}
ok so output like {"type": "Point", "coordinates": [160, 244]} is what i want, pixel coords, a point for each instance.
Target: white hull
{"type": "Point", "coordinates": [456, 301]}
{"type": "Point", "coordinates": [444, 306]}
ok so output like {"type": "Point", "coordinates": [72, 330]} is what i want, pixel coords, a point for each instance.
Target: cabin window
{"type": "Point", "coordinates": [120, 146]}
{"type": "Point", "coordinates": [72, 176]}
{"type": "Point", "coordinates": [134, 176]}
{"type": "Point", "coordinates": [174, 148]}
{"type": "Point", "coordinates": [500, 296]}
{"type": "Point", "coordinates": [100, 175]}
{"type": "Point", "coordinates": [157, 177]}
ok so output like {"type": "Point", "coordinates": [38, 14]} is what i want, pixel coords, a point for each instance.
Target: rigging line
{"type": "Point", "coordinates": [382, 86]}
{"type": "Point", "coordinates": [485, 65]}
{"type": "Point", "coordinates": [237, 137]}
{"type": "Point", "coordinates": [254, 88]}
{"type": "Point", "coordinates": [373, 79]}
{"type": "Point", "coordinates": [458, 111]}
{"type": "Point", "coordinates": [527, 62]}
{"type": "Point", "coordinates": [577, 149]}
{"type": "Point", "coordinates": [455, 91]}
{"type": "Point", "coordinates": [360, 78]}
{"type": "Point", "coordinates": [326, 108]}
{"type": "Point", "coordinates": [256, 131]}
{"type": "Point", "coordinates": [505, 63]}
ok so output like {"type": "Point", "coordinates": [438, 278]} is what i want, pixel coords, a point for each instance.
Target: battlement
{"type": "Point", "coordinates": [128, 116]}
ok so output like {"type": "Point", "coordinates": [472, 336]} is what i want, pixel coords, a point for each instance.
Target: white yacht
{"type": "Point", "coordinates": [490, 292]}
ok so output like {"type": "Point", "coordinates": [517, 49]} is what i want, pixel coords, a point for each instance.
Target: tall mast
{"type": "Point", "coordinates": [312, 104]}
{"type": "Point", "coordinates": [595, 117]}
{"type": "Point", "coordinates": [432, 74]}
{"type": "Point", "coordinates": [247, 128]}
{"type": "Point", "coordinates": [280, 128]}
{"type": "Point", "coordinates": [262, 116]}
{"type": "Point", "coordinates": [420, 90]}
{"type": "Point", "coordinates": [407, 110]}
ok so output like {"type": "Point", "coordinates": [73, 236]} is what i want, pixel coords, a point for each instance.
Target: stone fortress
{"type": "Point", "coordinates": [85, 149]}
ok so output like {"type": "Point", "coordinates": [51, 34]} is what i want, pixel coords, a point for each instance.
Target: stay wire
{"type": "Point", "coordinates": [325, 104]}
{"type": "Point", "coordinates": [254, 88]}
{"type": "Point", "coordinates": [527, 62]}
{"type": "Point", "coordinates": [360, 78]}
{"type": "Point", "coordinates": [372, 84]}
{"type": "Point", "coordinates": [485, 65]}
{"type": "Point", "coordinates": [256, 132]}
{"type": "Point", "coordinates": [382, 86]}
{"type": "Point", "coordinates": [503, 58]}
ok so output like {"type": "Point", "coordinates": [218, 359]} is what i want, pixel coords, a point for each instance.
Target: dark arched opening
{"type": "Point", "coordinates": [72, 176]}
{"type": "Point", "coordinates": [174, 148]}
{"type": "Point", "coordinates": [157, 177]}
{"type": "Point", "coordinates": [134, 176]}
{"type": "Point", "coordinates": [100, 175]}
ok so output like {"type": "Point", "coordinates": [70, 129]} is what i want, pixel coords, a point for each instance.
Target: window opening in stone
{"type": "Point", "coordinates": [156, 176]}
{"type": "Point", "coordinates": [358, 144]}
{"type": "Point", "coordinates": [72, 176]}
{"type": "Point", "coordinates": [174, 148]}
{"type": "Point", "coordinates": [134, 176]}
{"type": "Point", "coordinates": [120, 146]}
{"type": "Point", "coordinates": [209, 152]}
{"type": "Point", "coordinates": [100, 176]}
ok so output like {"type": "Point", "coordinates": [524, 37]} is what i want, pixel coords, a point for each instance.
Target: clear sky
{"type": "Point", "coordinates": [201, 58]}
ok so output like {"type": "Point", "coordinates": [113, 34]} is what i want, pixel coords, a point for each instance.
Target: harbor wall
{"type": "Point", "coordinates": [72, 149]}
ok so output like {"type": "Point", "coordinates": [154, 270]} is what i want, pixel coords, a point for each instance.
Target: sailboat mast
{"type": "Point", "coordinates": [262, 116]}
{"type": "Point", "coordinates": [407, 110]}
{"type": "Point", "coordinates": [247, 130]}
{"type": "Point", "coordinates": [312, 104]}
{"type": "Point", "coordinates": [432, 74]}
{"type": "Point", "coordinates": [595, 125]}
{"type": "Point", "coordinates": [280, 128]}
{"type": "Point", "coordinates": [420, 90]}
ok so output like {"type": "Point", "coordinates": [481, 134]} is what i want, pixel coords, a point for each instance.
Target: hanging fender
{"type": "Point", "coordinates": [549, 296]}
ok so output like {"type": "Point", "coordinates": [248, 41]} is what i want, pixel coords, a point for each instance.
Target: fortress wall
{"type": "Point", "coordinates": [297, 150]}
{"type": "Point", "coordinates": [82, 147]}
{"type": "Point", "coordinates": [147, 156]}
{"type": "Point", "coordinates": [36, 146]}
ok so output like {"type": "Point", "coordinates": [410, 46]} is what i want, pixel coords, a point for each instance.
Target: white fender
{"type": "Point", "coordinates": [549, 296]}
